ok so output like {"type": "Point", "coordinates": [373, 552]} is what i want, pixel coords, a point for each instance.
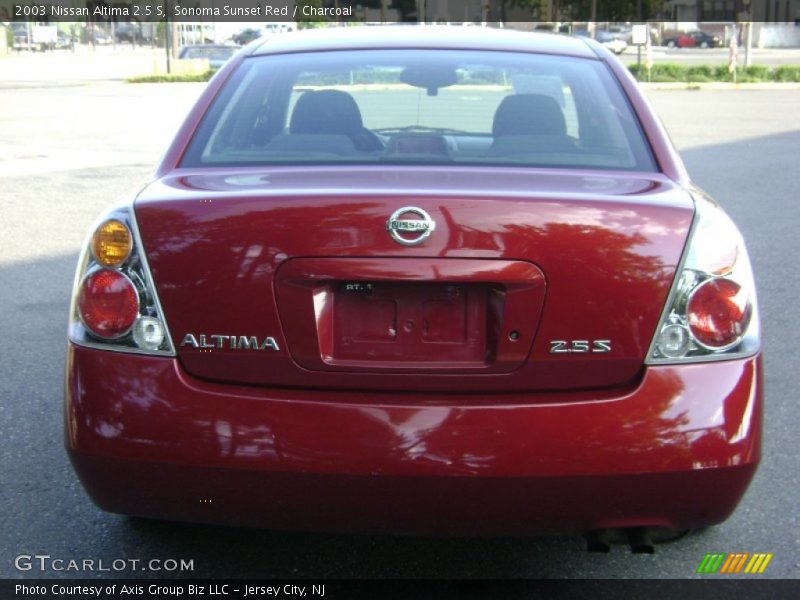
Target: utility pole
{"type": "Point", "coordinates": [168, 38]}
{"type": "Point", "coordinates": [748, 44]}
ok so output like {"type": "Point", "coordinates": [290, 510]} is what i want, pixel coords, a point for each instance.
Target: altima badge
{"type": "Point", "coordinates": [400, 228]}
{"type": "Point", "coordinates": [233, 342]}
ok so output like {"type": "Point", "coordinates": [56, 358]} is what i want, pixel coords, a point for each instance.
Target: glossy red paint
{"type": "Point", "coordinates": [607, 244]}
{"type": "Point", "coordinates": [677, 450]}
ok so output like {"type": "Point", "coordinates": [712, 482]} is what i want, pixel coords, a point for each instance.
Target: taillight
{"type": "Point", "coordinates": [114, 302]}
{"type": "Point", "coordinates": [108, 303]}
{"type": "Point", "coordinates": [711, 312]}
{"type": "Point", "coordinates": [718, 313]}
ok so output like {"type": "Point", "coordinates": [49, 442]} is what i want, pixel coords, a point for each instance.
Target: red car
{"type": "Point", "coordinates": [418, 280]}
{"type": "Point", "coordinates": [693, 39]}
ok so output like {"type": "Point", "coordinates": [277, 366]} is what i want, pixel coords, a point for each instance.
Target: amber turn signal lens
{"type": "Point", "coordinates": [112, 243]}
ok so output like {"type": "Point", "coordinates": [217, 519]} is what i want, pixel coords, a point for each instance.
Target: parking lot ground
{"type": "Point", "coordinates": [68, 151]}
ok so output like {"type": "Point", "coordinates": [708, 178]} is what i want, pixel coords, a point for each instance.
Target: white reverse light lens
{"type": "Point", "coordinates": [673, 341]}
{"type": "Point", "coordinates": [148, 333]}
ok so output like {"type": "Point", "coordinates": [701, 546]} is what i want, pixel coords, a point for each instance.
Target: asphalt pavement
{"type": "Point", "coordinates": [68, 151]}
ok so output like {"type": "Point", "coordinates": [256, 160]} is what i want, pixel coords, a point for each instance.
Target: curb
{"type": "Point", "coordinates": [718, 85]}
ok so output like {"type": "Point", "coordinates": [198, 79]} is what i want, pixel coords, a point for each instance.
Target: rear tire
{"type": "Point", "coordinates": [704, 45]}
{"type": "Point", "coordinates": [671, 44]}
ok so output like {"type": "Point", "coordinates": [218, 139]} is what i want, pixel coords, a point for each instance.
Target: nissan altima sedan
{"type": "Point", "coordinates": [418, 280]}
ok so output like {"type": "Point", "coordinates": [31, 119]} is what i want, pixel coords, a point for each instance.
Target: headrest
{"type": "Point", "coordinates": [528, 114]}
{"type": "Point", "coordinates": [326, 112]}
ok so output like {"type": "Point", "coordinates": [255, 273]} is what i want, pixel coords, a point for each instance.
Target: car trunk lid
{"type": "Point", "coordinates": [531, 279]}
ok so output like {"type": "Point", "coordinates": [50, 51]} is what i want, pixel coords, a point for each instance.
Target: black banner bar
{"type": "Point", "coordinates": [704, 589]}
{"type": "Point", "coordinates": [394, 11]}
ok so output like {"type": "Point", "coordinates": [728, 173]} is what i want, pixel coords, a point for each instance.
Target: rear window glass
{"type": "Point", "coordinates": [421, 107]}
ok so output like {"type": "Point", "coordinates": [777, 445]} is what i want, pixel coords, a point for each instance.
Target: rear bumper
{"type": "Point", "coordinates": [678, 451]}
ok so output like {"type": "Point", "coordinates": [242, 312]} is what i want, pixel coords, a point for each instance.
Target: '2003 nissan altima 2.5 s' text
{"type": "Point", "coordinates": [418, 280]}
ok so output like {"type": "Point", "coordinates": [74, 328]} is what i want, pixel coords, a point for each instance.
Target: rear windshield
{"type": "Point", "coordinates": [421, 107]}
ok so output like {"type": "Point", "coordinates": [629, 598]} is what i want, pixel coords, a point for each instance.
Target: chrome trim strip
{"type": "Point", "coordinates": [676, 280]}
{"type": "Point", "coordinates": [110, 347]}
{"type": "Point", "coordinates": [149, 281]}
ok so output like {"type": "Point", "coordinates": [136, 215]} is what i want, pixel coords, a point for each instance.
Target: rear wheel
{"type": "Point", "coordinates": [671, 44]}
{"type": "Point", "coordinates": [704, 45]}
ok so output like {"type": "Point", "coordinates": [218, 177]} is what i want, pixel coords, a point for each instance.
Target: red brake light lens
{"type": "Point", "coordinates": [108, 303]}
{"type": "Point", "coordinates": [718, 313]}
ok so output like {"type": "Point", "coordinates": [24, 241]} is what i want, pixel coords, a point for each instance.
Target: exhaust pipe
{"type": "Point", "coordinates": [597, 541]}
{"type": "Point", "coordinates": [639, 540]}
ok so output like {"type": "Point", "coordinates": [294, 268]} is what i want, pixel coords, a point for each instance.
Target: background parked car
{"type": "Point", "coordinates": [96, 33]}
{"type": "Point", "coordinates": [21, 39]}
{"type": "Point", "coordinates": [64, 41]}
{"type": "Point", "coordinates": [134, 32]}
{"type": "Point", "coordinates": [611, 41]}
{"type": "Point", "coordinates": [693, 39]}
{"type": "Point", "coordinates": [29, 36]}
{"type": "Point", "coordinates": [621, 32]}
{"type": "Point", "coordinates": [217, 54]}
{"type": "Point", "coordinates": [245, 36]}
{"type": "Point", "coordinates": [280, 27]}
{"type": "Point", "coordinates": [614, 41]}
